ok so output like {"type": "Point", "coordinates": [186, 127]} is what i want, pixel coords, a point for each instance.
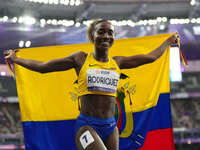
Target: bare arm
{"type": "Point", "coordinates": [138, 60]}
{"type": "Point", "coordinates": [43, 67]}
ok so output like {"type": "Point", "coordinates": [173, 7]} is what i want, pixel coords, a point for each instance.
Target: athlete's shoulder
{"type": "Point", "coordinates": [115, 57]}
{"type": "Point", "coordinates": [117, 60]}
{"type": "Point", "coordinates": [80, 57]}
{"type": "Point", "coordinates": [79, 53]}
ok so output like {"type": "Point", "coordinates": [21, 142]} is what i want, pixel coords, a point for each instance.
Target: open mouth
{"type": "Point", "coordinates": [105, 42]}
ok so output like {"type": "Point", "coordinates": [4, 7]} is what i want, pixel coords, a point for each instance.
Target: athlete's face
{"type": "Point", "coordinates": [104, 35]}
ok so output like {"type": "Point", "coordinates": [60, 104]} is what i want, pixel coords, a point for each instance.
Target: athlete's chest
{"type": "Point", "coordinates": [100, 79]}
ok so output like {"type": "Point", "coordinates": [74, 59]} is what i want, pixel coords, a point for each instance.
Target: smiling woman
{"type": "Point", "coordinates": [98, 76]}
{"type": "Point", "coordinates": [101, 34]}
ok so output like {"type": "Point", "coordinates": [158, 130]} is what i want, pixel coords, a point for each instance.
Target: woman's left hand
{"type": "Point", "coordinates": [173, 39]}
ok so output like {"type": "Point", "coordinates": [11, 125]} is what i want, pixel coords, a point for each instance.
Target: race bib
{"type": "Point", "coordinates": [102, 80]}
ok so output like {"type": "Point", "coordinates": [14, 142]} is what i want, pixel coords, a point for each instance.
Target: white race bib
{"type": "Point", "coordinates": [86, 139]}
{"type": "Point", "coordinates": [102, 80]}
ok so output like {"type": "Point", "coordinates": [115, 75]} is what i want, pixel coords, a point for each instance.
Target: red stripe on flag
{"type": "Point", "coordinates": [119, 121]}
{"type": "Point", "coordinates": [161, 139]}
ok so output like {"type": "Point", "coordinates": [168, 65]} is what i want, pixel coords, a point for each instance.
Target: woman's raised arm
{"type": "Point", "coordinates": [43, 67]}
{"type": "Point", "coordinates": [138, 60]}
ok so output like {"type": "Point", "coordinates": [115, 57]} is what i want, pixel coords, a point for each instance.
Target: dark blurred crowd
{"type": "Point", "coordinates": [186, 113]}
{"type": "Point", "coordinates": [10, 119]}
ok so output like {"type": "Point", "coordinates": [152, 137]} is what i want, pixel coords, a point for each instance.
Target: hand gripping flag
{"type": "Point", "coordinates": [49, 105]}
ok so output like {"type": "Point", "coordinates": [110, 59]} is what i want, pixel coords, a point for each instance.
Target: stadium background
{"type": "Point", "coordinates": [35, 23]}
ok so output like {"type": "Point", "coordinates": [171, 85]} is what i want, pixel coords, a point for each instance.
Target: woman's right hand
{"type": "Point", "coordinates": [10, 55]}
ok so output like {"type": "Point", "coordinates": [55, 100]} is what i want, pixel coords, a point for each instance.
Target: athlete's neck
{"type": "Point", "coordinates": [101, 56]}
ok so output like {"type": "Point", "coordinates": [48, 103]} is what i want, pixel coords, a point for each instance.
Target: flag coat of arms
{"type": "Point", "coordinates": [49, 105]}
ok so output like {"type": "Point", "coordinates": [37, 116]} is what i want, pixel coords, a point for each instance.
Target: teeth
{"type": "Point", "coordinates": [103, 40]}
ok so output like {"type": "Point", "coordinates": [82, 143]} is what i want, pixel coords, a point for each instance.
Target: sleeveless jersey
{"type": "Point", "coordinates": [99, 78]}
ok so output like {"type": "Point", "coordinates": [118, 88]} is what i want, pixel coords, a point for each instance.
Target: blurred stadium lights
{"type": "Point", "coordinates": [57, 2]}
{"type": "Point", "coordinates": [78, 24]}
{"type": "Point", "coordinates": [192, 2]}
{"type": "Point", "coordinates": [162, 27]}
{"type": "Point", "coordinates": [5, 19]}
{"type": "Point", "coordinates": [175, 65]}
{"type": "Point", "coordinates": [56, 30]}
{"type": "Point", "coordinates": [195, 11]}
{"type": "Point", "coordinates": [28, 20]}
{"type": "Point", "coordinates": [23, 43]}
{"type": "Point", "coordinates": [28, 44]}
{"type": "Point", "coordinates": [3, 73]}
{"type": "Point", "coordinates": [196, 30]}
{"type": "Point", "coordinates": [14, 20]}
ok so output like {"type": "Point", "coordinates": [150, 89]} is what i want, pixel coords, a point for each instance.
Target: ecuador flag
{"type": "Point", "coordinates": [49, 106]}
